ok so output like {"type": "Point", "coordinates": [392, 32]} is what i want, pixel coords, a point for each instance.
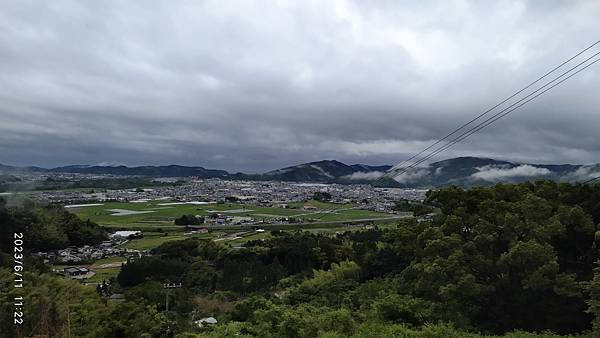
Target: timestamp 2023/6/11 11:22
{"type": "Point", "coordinates": [18, 280]}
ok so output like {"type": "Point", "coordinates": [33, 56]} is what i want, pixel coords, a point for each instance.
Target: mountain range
{"type": "Point", "coordinates": [462, 171]}
{"type": "Point", "coordinates": [476, 171]}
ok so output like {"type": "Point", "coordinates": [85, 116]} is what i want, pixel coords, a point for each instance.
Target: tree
{"type": "Point", "coordinates": [402, 205]}
{"type": "Point", "coordinates": [593, 288]}
{"type": "Point", "coordinates": [322, 196]}
{"type": "Point", "coordinates": [419, 209]}
{"type": "Point", "coordinates": [189, 220]}
{"type": "Point", "coordinates": [405, 309]}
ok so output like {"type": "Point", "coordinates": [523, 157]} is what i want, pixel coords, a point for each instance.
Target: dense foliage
{"type": "Point", "coordinates": [418, 209]}
{"type": "Point", "coordinates": [189, 220]}
{"type": "Point", "coordinates": [322, 196]}
{"type": "Point", "coordinates": [51, 303]}
{"type": "Point", "coordinates": [7, 181]}
{"type": "Point", "coordinates": [45, 228]}
{"type": "Point", "coordinates": [511, 257]}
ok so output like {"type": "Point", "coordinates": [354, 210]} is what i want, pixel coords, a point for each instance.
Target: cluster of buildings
{"type": "Point", "coordinates": [262, 193]}
{"type": "Point", "coordinates": [77, 272]}
{"type": "Point", "coordinates": [88, 253]}
{"type": "Point", "coordinates": [224, 219]}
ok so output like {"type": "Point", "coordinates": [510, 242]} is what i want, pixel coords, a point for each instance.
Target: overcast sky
{"type": "Point", "coordinates": [255, 85]}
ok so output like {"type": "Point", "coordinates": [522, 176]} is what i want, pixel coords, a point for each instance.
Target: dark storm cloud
{"type": "Point", "coordinates": [259, 85]}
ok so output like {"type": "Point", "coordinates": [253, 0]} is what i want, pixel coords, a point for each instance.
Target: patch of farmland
{"type": "Point", "coordinates": [146, 222]}
{"type": "Point", "coordinates": [84, 205]}
{"type": "Point", "coordinates": [125, 212]}
{"type": "Point", "coordinates": [269, 215]}
{"type": "Point", "coordinates": [192, 203]}
{"type": "Point", "coordinates": [154, 218]}
{"type": "Point", "coordinates": [231, 211]}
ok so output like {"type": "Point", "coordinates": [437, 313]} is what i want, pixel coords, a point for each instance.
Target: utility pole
{"type": "Point", "coordinates": [168, 287]}
{"type": "Point", "coordinates": [68, 321]}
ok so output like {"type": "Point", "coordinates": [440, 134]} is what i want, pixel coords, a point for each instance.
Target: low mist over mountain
{"type": "Point", "coordinates": [474, 171]}
{"type": "Point", "coordinates": [326, 171]}
{"type": "Point", "coordinates": [463, 171]}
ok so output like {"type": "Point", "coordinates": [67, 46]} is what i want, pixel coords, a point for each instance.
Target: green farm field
{"type": "Point", "coordinates": [103, 274]}
{"type": "Point", "coordinates": [162, 213]}
{"type": "Point", "coordinates": [152, 241]}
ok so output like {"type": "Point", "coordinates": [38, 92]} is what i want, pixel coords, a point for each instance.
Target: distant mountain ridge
{"type": "Point", "coordinates": [323, 171]}
{"type": "Point", "coordinates": [154, 171]}
{"type": "Point", "coordinates": [10, 168]}
{"type": "Point", "coordinates": [476, 171]}
{"type": "Point", "coordinates": [462, 171]}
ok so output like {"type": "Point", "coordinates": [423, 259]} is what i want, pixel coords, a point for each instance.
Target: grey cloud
{"type": "Point", "coordinates": [372, 175]}
{"type": "Point", "coordinates": [260, 85]}
{"type": "Point", "coordinates": [412, 175]}
{"type": "Point", "coordinates": [494, 173]}
{"type": "Point", "coordinates": [585, 173]}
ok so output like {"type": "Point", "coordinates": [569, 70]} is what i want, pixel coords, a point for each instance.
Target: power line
{"type": "Point", "coordinates": [500, 114]}
{"type": "Point", "coordinates": [496, 118]}
{"type": "Point", "coordinates": [493, 118]}
{"type": "Point", "coordinates": [485, 124]}
{"type": "Point", "coordinates": [590, 180]}
{"type": "Point", "coordinates": [496, 106]}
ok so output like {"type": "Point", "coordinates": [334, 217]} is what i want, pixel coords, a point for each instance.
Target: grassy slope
{"type": "Point", "coordinates": [103, 274]}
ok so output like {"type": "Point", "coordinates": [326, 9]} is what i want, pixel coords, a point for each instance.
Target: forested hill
{"type": "Point", "coordinates": [47, 228]}
{"type": "Point", "coordinates": [327, 171]}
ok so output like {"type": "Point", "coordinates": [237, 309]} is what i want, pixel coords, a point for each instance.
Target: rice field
{"type": "Point", "coordinates": [162, 214]}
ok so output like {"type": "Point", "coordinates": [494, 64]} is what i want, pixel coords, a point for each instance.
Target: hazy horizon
{"type": "Point", "coordinates": [234, 170]}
